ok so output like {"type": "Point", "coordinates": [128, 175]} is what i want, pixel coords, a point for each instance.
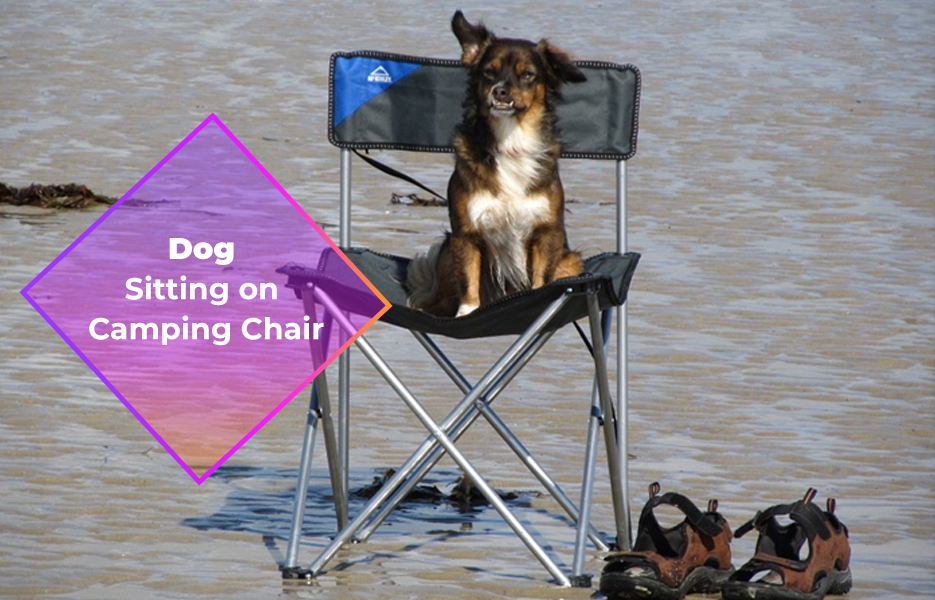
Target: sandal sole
{"type": "Point", "coordinates": [835, 584]}
{"type": "Point", "coordinates": [703, 580]}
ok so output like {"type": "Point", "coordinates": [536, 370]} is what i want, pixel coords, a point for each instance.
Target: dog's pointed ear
{"type": "Point", "coordinates": [559, 63]}
{"type": "Point", "coordinates": [474, 39]}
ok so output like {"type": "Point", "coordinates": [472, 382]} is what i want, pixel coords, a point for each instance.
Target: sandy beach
{"type": "Point", "coordinates": [782, 317]}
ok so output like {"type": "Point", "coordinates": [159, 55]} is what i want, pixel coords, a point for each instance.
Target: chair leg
{"type": "Point", "coordinates": [614, 457]}
{"type": "Point", "coordinates": [587, 484]}
{"type": "Point", "coordinates": [622, 419]}
{"type": "Point", "coordinates": [337, 468]}
{"type": "Point", "coordinates": [587, 480]}
{"type": "Point", "coordinates": [289, 569]}
{"type": "Point", "coordinates": [344, 434]}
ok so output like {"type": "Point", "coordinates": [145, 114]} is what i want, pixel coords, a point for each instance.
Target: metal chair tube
{"type": "Point", "coordinates": [301, 485]}
{"type": "Point", "coordinates": [625, 542]}
{"type": "Point", "coordinates": [587, 479]}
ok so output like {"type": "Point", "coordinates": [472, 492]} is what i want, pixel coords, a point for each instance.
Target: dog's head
{"type": "Point", "coordinates": [510, 76]}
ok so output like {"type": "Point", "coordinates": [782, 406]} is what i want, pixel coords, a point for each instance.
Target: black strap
{"type": "Point", "coordinates": [761, 517]}
{"type": "Point", "coordinates": [806, 514]}
{"type": "Point", "coordinates": [702, 522]}
{"type": "Point", "coordinates": [584, 338]}
{"type": "Point", "coordinates": [398, 174]}
{"type": "Point", "coordinates": [812, 519]}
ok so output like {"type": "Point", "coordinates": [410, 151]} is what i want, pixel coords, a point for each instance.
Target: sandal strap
{"type": "Point", "coordinates": [812, 519]}
{"type": "Point", "coordinates": [698, 519]}
{"type": "Point", "coordinates": [761, 517]}
{"type": "Point", "coordinates": [804, 512]}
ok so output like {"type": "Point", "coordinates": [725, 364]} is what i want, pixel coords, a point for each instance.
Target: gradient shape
{"type": "Point", "coordinates": [200, 398]}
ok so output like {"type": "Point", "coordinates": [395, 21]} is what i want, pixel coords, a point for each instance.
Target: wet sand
{"type": "Point", "coordinates": [782, 318]}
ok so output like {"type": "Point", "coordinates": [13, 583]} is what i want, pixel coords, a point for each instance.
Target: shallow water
{"type": "Point", "coordinates": [782, 318]}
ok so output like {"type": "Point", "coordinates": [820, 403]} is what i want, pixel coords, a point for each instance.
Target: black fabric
{"type": "Point", "coordinates": [806, 514]}
{"type": "Point", "coordinates": [671, 542]}
{"type": "Point", "coordinates": [608, 275]}
{"type": "Point", "coordinates": [596, 119]}
{"type": "Point", "coordinates": [683, 503]}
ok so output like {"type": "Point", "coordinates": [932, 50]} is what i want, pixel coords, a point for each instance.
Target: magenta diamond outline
{"type": "Point", "coordinates": [212, 118]}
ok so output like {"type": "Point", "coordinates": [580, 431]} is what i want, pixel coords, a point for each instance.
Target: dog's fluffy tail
{"type": "Point", "coordinates": [422, 276]}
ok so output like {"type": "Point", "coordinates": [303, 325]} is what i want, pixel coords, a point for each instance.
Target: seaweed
{"type": "Point", "coordinates": [59, 196]}
{"type": "Point", "coordinates": [414, 200]}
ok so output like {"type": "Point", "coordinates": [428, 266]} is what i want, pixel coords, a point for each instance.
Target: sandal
{"type": "Point", "coordinates": [666, 564]}
{"type": "Point", "coordinates": [776, 572]}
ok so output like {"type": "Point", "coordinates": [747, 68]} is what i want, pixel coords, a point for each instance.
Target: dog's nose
{"type": "Point", "coordinates": [501, 92]}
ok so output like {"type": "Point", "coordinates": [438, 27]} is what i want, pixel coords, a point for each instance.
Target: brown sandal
{"type": "Point", "coordinates": [666, 564]}
{"type": "Point", "coordinates": [776, 572]}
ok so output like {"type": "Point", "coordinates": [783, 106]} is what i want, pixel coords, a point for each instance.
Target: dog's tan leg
{"type": "Point", "coordinates": [539, 255]}
{"type": "Point", "coordinates": [466, 258]}
{"type": "Point", "coordinates": [569, 266]}
{"type": "Point", "coordinates": [548, 257]}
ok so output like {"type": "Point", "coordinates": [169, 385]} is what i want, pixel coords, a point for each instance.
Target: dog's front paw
{"type": "Point", "coordinates": [466, 309]}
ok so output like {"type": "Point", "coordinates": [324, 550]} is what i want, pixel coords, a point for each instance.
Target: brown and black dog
{"type": "Point", "coordinates": [506, 202]}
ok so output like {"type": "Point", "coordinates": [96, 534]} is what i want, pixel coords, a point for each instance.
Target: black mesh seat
{"type": "Point", "coordinates": [609, 274]}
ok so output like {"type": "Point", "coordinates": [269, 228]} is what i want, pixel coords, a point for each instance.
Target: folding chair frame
{"type": "Point", "coordinates": [476, 402]}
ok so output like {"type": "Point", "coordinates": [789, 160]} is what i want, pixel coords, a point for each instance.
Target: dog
{"type": "Point", "coordinates": [506, 203]}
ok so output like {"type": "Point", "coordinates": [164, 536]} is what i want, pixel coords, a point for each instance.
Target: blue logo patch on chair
{"type": "Point", "coordinates": [361, 78]}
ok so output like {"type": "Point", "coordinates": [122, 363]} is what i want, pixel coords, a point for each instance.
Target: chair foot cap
{"type": "Point", "coordinates": [295, 573]}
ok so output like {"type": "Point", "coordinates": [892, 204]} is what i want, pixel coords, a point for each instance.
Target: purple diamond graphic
{"type": "Point", "coordinates": [173, 300]}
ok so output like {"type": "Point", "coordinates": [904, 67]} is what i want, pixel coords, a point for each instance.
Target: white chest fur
{"type": "Point", "coordinates": [506, 220]}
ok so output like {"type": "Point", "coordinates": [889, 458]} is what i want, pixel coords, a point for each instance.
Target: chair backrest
{"type": "Point", "coordinates": [390, 101]}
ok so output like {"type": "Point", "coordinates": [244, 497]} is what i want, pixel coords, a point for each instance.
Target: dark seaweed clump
{"type": "Point", "coordinates": [67, 195]}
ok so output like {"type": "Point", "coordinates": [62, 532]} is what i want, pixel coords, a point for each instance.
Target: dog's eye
{"type": "Point", "coordinates": [527, 76]}
{"type": "Point", "coordinates": [489, 72]}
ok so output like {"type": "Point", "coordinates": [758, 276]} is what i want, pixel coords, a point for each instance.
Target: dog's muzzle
{"type": "Point", "coordinates": [501, 105]}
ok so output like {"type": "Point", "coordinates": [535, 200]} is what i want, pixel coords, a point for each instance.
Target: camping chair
{"type": "Point", "coordinates": [389, 101]}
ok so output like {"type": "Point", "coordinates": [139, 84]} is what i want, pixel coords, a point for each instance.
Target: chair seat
{"type": "Point", "coordinates": [608, 273]}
